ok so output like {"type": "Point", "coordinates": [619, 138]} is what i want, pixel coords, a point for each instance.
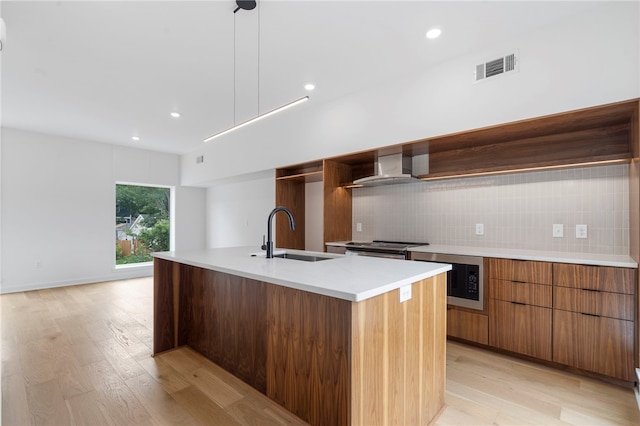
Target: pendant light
{"type": "Point", "coordinates": [250, 5]}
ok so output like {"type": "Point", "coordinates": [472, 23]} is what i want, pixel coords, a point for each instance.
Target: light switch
{"type": "Point", "coordinates": [558, 230]}
{"type": "Point", "coordinates": [358, 227]}
{"type": "Point", "coordinates": [479, 229]}
{"type": "Point", "coordinates": [581, 231]}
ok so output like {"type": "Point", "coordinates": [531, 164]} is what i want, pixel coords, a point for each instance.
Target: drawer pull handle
{"type": "Point", "coordinates": [590, 315]}
{"type": "Point", "coordinates": [519, 303]}
{"type": "Point", "coordinates": [591, 289]}
{"type": "Point", "coordinates": [519, 282]}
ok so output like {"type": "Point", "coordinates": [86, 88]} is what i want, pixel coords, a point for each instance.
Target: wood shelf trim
{"type": "Point", "coordinates": [532, 167]}
{"type": "Point", "coordinates": [307, 177]}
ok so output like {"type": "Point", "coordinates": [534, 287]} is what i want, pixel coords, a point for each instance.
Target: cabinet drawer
{"type": "Point", "coordinates": [521, 292]}
{"type": "Point", "coordinates": [602, 278]}
{"type": "Point", "coordinates": [468, 326]}
{"type": "Point", "coordinates": [598, 344]}
{"type": "Point", "coordinates": [612, 305]}
{"type": "Point", "coordinates": [520, 270]}
{"type": "Point", "coordinates": [523, 329]}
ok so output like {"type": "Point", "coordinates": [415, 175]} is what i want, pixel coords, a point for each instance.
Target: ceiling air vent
{"type": "Point", "coordinates": [496, 67]}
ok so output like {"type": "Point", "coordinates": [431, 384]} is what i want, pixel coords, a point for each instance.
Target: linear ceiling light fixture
{"type": "Point", "coordinates": [259, 117]}
{"type": "Point", "coordinates": [250, 5]}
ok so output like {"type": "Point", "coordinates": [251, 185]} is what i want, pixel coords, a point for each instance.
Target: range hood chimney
{"type": "Point", "coordinates": [395, 167]}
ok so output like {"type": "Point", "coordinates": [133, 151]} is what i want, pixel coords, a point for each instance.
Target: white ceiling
{"type": "Point", "coordinates": [105, 71]}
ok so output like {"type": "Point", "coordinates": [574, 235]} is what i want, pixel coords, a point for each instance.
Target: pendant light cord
{"type": "Point", "coordinates": [234, 68]}
{"type": "Point", "coordinates": [259, 60]}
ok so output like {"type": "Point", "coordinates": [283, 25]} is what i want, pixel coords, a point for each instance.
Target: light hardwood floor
{"type": "Point", "coordinates": [81, 355]}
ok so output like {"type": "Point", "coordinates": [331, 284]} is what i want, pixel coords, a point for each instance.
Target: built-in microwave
{"type": "Point", "coordinates": [465, 284]}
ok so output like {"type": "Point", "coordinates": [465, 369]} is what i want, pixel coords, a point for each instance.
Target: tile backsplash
{"type": "Point", "coordinates": [517, 210]}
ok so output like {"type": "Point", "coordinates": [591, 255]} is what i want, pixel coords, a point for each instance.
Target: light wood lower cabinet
{"type": "Point", "coordinates": [520, 328]}
{"type": "Point", "coordinates": [593, 343]}
{"type": "Point", "coordinates": [520, 301]}
{"type": "Point", "coordinates": [467, 325]}
{"type": "Point", "coordinates": [593, 319]}
{"type": "Point", "coordinates": [578, 315]}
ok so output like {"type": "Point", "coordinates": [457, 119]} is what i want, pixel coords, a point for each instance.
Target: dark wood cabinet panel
{"type": "Point", "coordinates": [519, 328]}
{"type": "Point", "coordinates": [592, 343]}
{"type": "Point", "coordinates": [612, 305]}
{"type": "Point", "coordinates": [468, 326]}
{"type": "Point", "coordinates": [224, 317]}
{"type": "Point", "coordinates": [521, 292]}
{"type": "Point", "coordinates": [336, 201]}
{"type": "Point", "coordinates": [164, 328]}
{"type": "Point", "coordinates": [290, 194]}
{"type": "Point", "coordinates": [601, 278]}
{"type": "Point", "coordinates": [337, 212]}
{"type": "Point", "coordinates": [521, 270]}
{"type": "Point", "coordinates": [601, 144]}
{"type": "Point", "coordinates": [593, 319]}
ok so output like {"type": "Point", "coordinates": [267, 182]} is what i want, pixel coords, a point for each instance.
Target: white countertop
{"type": "Point", "coordinates": [353, 278]}
{"type": "Point", "coordinates": [621, 261]}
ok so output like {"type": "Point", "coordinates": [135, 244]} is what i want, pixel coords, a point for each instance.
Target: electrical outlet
{"type": "Point", "coordinates": [405, 293]}
{"type": "Point", "coordinates": [558, 230]}
{"type": "Point", "coordinates": [358, 227]}
{"type": "Point", "coordinates": [581, 231]}
{"type": "Point", "coordinates": [479, 229]}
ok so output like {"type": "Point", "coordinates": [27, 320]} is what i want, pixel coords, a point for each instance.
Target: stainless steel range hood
{"type": "Point", "coordinates": [394, 168]}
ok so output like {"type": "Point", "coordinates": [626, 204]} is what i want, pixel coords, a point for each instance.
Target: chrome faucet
{"type": "Point", "coordinates": [292, 224]}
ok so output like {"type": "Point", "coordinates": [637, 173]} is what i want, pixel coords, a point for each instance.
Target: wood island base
{"type": "Point", "coordinates": [327, 360]}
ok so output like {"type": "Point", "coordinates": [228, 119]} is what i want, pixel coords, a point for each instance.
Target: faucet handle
{"type": "Point", "coordinates": [264, 244]}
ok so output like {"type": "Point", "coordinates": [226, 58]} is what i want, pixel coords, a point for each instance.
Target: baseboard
{"type": "Point", "coordinates": [118, 274]}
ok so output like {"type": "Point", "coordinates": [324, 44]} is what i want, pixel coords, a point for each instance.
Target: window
{"type": "Point", "coordinates": [142, 222]}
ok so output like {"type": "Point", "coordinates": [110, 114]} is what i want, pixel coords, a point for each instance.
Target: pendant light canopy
{"type": "Point", "coordinates": [245, 5]}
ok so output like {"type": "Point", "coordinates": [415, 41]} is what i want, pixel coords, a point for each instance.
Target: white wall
{"type": "Point", "coordinates": [58, 204]}
{"type": "Point", "coordinates": [587, 60]}
{"type": "Point", "coordinates": [189, 218]}
{"type": "Point", "coordinates": [237, 210]}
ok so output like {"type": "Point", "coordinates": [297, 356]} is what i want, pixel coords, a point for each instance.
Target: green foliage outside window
{"type": "Point", "coordinates": [150, 206]}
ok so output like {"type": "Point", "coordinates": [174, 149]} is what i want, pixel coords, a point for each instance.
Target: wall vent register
{"type": "Point", "coordinates": [496, 67]}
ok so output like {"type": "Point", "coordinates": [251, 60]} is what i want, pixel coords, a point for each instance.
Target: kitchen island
{"type": "Point", "coordinates": [330, 340]}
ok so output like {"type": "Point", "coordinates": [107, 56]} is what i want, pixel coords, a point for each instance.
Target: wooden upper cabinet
{"type": "Point", "coordinates": [521, 271]}
{"type": "Point", "coordinates": [576, 138]}
{"type": "Point", "coordinates": [597, 278]}
{"type": "Point", "coordinates": [291, 192]}
{"type": "Point", "coordinates": [589, 135]}
{"type": "Point", "coordinates": [337, 201]}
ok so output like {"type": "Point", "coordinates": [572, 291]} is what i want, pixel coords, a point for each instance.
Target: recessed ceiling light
{"type": "Point", "coordinates": [135, 138]}
{"type": "Point", "coordinates": [175, 114]}
{"type": "Point", "coordinates": [309, 86]}
{"type": "Point", "coordinates": [434, 33]}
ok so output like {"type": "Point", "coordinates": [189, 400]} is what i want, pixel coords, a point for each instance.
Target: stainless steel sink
{"type": "Point", "coordinates": [303, 257]}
